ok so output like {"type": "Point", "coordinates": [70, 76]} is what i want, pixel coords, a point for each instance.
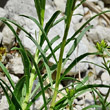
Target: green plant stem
{"type": "Point", "coordinates": [59, 67]}
{"type": "Point", "coordinates": [32, 76]}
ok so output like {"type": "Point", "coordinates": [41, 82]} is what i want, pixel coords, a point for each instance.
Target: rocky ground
{"type": "Point", "coordinates": [100, 31]}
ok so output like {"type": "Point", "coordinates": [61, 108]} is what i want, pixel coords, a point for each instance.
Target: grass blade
{"type": "Point", "coordinates": [18, 91]}
{"type": "Point", "coordinates": [7, 75]}
{"type": "Point", "coordinates": [77, 40]}
{"type": "Point", "coordinates": [51, 42]}
{"type": "Point", "coordinates": [91, 106]}
{"type": "Point", "coordinates": [40, 8]}
{"type": "Point", "coordinates": [14, 99]}
{"type": "Point", "coordinates": [75, 62]}
{"type": "Point", "coordinates": [6, 92]}
{"type": "Point", "coordinates": [40, 78]}
{"type": "Point", "coordinates": [49, 25]}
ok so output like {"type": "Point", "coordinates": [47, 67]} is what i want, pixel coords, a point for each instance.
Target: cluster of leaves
{"type": "Point", "coordinates": [22, 96]}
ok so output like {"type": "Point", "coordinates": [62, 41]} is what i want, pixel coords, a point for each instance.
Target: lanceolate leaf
{"type": "Point", "coordinates": [69, 10]}
{"type": "Point", "coordinates": [40, 78]}
{"type": "Point", "coordinates": [77, 40]}
{"type": "Point", "coordinates": [92, 106]}
{"type": "Point", "coordinates": [75, 62]}
{"type": "Point", "coordinates": [13, 99]}
{"type": "Point", "coordinates": [19, 88]}
{"type": "Point", "coordinates": [49, 25]}
{"type": "Point", "coordinates": [7, 75]}
{"type": "Point", "coordinates": [40, 8]}
{"type": "Point", "coordinates": [6, 93]}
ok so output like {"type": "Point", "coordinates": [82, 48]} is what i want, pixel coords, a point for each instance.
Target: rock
{"type": "Point", "coordinates": [103, 91]}
{"type": "Point", "coordinates": [106, 1]}
{"type": "Point", "coordinates": [78, 107]}
{"type": "Point", "coordinates": [95, 1]}
{"type": "Point", "coordinates": [3, 13]}
{"type": "Point", "coordinates": [28, 44]}
{"type": "Point", "coordinates": [89, 100]}
{"type": "Point", "coordinates": [15, 65]}
{"type": "Point", "coordinates": [60, 95]}
{"type": "Point", "coordinates": [79, 101]}
{"type": "Point", "coordinates": [8, 36]}
{"type": "Point", "coordinates": [101, 4]}
{"type": "Point", "coordinates": [108, 99]}
{"type": "Point", "coordinates": [38, 104]}
{"type": "Point", "coordinates": [3, 103]}
{"type": "Point", "coordinates": [99, 33]}
{"type": "Point", "coordinates": [97, 82]}
{"type": "Point", "coordinates": [60, 5]}
{"type": "Point", "coordinates": [25, 7]}
{"type": "Point", "coordinates": [105, 76]}
{"type": "Point", "coordinates": [14, 78]}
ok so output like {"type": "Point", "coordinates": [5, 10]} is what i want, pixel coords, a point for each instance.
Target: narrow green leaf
{"type": "Point", "coordinates": [51, 42]}
{"type": "Point", "coordinates": [77, 40]}
{"type": "Point", "coordinates": [93, 64]}
{"type": "Point", "coordinates": [91, 86]}
{"type": "Point", "coordinates": [19, 88]}
{"type": "Point", "coordinates": [75, 62]}
{"type": "Point", "coordinates": [40, 78]}
{"type": "Point", "coordinates": [49, 25]}
{"type": "Point", "coordinates": [6, 93]}
{"type": "Point", "coordinates": [92, 106]}
{"type": "Point", "coordinates": [14, 99]}
{"type": "Point", "coordinates": [7, 75]}
{"type": "Point", "coordinates": [40, 8]}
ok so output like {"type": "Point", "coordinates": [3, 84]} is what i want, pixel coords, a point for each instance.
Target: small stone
{"type": "Point", "coordinates": [101, 4]}
{"type": "Point", "coordinates": [78, 107]}
{"type": "Point", "coordinates": [103, 91]}
{"type": "Point", "coordinates": [89, 100]}
{"type": "Point", "coordinates": [99, 33]}
{"type": "Point", "coordinates": [95, 1]}
{"type": "Point", "coordinates": [105, 76]}
{"type": "Point", "coordinates": [38, 103]}
{"type": "Point", "coordinates": [8, 36]}
{"type": "Point", "coordinates": [3, 13]}
{"type": "Point", "coordinates": [77, 18]}
{"type": "Point", "coordinates": [79, 101]}
{"type": "Point", "coordinates": [28, 44]}
{"type": "Point", "coordinates": [14, 78]}
{"type": "Point", "coordinates": [3, 103]}
{"type": "Point", "coordinates": [97, 82]}
{"type": "Point", "coordinates": [60, 5]}
{"type": "Point", "coordinates": [15, 66]}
